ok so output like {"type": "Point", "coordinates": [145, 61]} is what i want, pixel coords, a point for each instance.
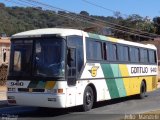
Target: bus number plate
{"type": "Point", "coordinates": [16, 83]}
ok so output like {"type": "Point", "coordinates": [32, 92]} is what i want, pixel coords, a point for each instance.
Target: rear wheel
{"type": "Point", "coordinates": [88, 99]}
{"type": "Point", "coordinates": [142, 90]}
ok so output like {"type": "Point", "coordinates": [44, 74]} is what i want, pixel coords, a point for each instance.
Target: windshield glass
{"type": "Point", "coordinates": [21, 54]}
{"type": "Point", "coordinates": [37, 57]}
{"type": "Point", "coordinates": [49, 58]}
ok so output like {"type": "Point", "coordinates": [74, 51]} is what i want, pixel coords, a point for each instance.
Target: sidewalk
{"type": "Point", "coordinates": [158, 85]}
{"type": "Point", "coordinates": [3, 96]}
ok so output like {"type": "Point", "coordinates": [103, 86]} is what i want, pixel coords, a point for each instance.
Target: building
{"type": "Point", "coordinates": [4, 50]}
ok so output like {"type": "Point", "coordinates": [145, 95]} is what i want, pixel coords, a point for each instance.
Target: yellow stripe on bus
{"type": "Point", "coordinates": [50, 84]}
{"type": "Point", "coordinates": [132, 84]}
{"type": "Point", "coordinates": [124, 73]}
{"type": "Point", "coordinates": [113, 39]}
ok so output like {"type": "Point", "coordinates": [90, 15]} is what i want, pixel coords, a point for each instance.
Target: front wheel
{"type": "Point", "coordinates": [88, 99]}
{"type": "Point", "coordinates": [142, 90]}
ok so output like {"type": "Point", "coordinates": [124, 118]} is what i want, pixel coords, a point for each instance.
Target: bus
{"type": "Point", "coordinates": [61, 68]}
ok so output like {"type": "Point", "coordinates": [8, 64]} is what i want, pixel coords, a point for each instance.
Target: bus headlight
{"type": "Point", "coordinates": [11, 89]}
{"type": "Point", "coordinates": [51, 91]}
{"type": "Point", "coordinates": [56, 91]}
{"type": "Point", "coordinates": [11, 97]}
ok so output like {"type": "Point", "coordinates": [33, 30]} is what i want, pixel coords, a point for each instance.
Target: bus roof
{"type": "Point", "coordinates": [48, 31]}
{"type": "Point", "coordinates": [67, 32]}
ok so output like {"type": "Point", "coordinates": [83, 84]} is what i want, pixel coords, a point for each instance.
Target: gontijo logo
{"type": "Point", "coordinates": [93, 71]}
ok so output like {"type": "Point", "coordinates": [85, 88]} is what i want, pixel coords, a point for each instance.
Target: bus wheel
{"type": "Point", "coordinates": [88, 99]}
{"type": "Point", "coordinates": [142, 90]}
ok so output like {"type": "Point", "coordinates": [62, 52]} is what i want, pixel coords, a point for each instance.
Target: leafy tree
{"type": "Point", "coordinates": [156, 21]}
{"type": "Point", "coordinates": [85, 13]}
{"type": "Point", "coordinates": [17, 19]}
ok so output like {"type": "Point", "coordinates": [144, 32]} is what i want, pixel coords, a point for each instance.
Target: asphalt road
{"type": "Point", "coordinates": [116, 109]}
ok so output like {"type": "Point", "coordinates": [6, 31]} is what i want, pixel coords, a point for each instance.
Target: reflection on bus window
{"type": "Point", "coordinates": [17, 61]}
{"type": "Point", "coordinates": [49, 58]}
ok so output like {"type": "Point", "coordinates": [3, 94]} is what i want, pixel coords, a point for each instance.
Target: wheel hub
{"type": "Point", "coordinates": [88, 98]}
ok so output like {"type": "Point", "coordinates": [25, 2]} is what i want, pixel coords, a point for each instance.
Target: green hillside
{"type": "Point", "coordinates": [18, 19]}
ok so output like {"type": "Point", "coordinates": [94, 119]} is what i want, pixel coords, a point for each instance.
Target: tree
{"type": "Point", "coordinates": [2, 5]}
{"type": "Point", "coordinates": [156, 22]}
{"type": "Point", "coordinates": [84, 13]}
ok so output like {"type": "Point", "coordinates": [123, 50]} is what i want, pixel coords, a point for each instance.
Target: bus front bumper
{"type": "Point", "coordinates": [37, 99]}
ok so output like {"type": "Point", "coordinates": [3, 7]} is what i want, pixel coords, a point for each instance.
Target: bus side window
{"type": "Point", "coordinates": [152, 57]}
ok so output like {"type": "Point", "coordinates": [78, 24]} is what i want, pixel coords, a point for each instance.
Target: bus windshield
{"type": "Point", "coordinates": [43, 57]}
{"type": "Point", "coordinates": [49, 58]}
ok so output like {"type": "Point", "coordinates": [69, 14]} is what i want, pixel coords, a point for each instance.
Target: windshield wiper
{"type": "Point", "coordinates": [41, 74]}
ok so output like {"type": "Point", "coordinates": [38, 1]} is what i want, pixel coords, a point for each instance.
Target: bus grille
{"type": "Point", "coordinates": [28, 90]}
{"type": "Point", "coordinates": [154, 85]}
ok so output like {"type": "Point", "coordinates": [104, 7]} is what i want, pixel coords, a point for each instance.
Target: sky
{"type": "Point", "coordinates": [143, 8]}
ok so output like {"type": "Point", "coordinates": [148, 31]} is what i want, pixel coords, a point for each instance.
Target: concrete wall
{"type": "Point", "coordinates": [4, 50]}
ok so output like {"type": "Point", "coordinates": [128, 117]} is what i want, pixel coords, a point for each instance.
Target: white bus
{"type": "Point", "coordinates": [60, 68]}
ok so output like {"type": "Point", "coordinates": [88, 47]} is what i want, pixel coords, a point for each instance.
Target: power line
{"type": "Point", "coordinates": [109, 23]}
{"type": "Point", "coordinates": [33, 5]}
{"type": "Point", "coordinates": [113, 11]}
{"type": "Point", "coordinates": [50, 6]}
{"type": "Point", "coordinates": [143, 32]}
{"type": "Point", "coordinates": [17, 3]}
{"type": "Point", "coordinates": [73, 17]}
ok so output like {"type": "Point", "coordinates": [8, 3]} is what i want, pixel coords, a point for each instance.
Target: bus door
{"type": "Point", "coordinates": [75, 61]}
{"type": "Point", "coordinates": [71, 76]}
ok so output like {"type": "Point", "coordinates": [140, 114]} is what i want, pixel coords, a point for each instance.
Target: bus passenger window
{"type": "Point", "coordinates": [112, 52]}
{"type": "Point", "coordinates": [152, 56]}
{"type": "Point", "coordinates": [134, 55]}
{"type": "Point", "coordinates": [144, 56]}
{"type": "Point", "coordinates": [94, 50]}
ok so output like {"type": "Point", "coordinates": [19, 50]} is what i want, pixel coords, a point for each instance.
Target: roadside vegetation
{"type": "Point", "coordinates": [17, 19]}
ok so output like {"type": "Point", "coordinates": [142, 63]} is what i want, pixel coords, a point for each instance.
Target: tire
{"type": "Point", "coordinates": [142, 90]}
{"type": "Point", "coordinates": [88, 99]}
